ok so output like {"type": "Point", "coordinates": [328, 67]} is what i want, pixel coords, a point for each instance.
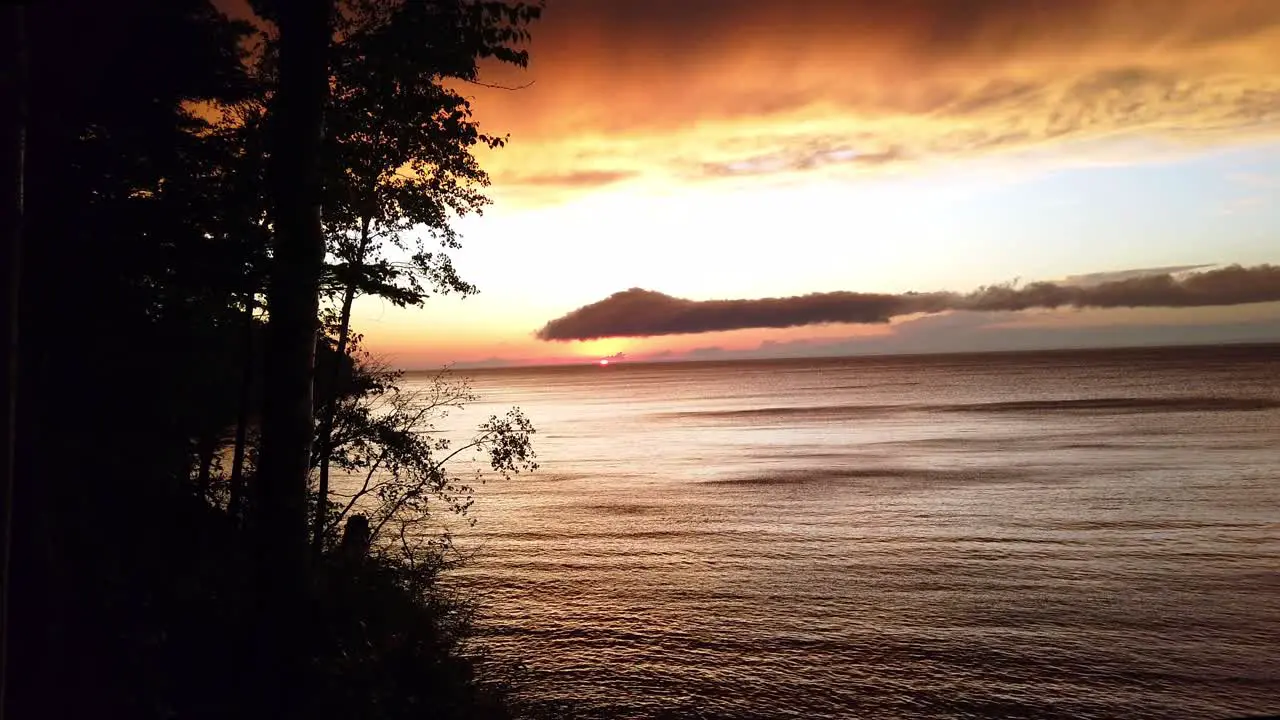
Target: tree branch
{"type": "Point", "coordinates": [364, 489]}
{"type": "Point", "coordinates": [495, 86]}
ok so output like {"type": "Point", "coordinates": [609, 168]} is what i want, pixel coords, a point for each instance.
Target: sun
{"type": "Point", "coordinates": [604, 361]}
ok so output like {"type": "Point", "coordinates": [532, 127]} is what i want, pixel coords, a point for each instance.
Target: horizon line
{"type": "Point", "coordinates": [846, 356]}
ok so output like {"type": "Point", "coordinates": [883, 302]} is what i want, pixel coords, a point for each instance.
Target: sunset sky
{"type": "Point", "coordinates": [711, 149]}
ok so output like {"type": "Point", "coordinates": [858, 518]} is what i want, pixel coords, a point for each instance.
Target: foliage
{"type": "Point", "coordinates": [401, 139]}
{"type": "Point", "coordinates": [399, 163]}
{"type": "Point", "coordinates": [149, 247]}
{"type": "Point", "coordinates": [388, 441]}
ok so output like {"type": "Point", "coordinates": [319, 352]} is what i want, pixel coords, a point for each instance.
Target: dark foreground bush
{"type": "Point", "coordinates": [152, 615]}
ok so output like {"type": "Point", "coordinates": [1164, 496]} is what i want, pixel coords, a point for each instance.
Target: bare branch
{"type": "Point", "coordinates": [495, 86]}
{"type": "Point", "coordinates": [468, 446]}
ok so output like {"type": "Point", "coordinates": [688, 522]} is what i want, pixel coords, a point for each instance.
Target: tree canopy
{"type": "Point", "coordinates": [176, 258]}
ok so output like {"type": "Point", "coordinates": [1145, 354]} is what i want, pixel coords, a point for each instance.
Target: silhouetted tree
{"type": "Point", "coordinates": [244, 398]}
{"type": "Point", "coordinates": [295, 121]}
{"type": "Point", "coordinates": [388, 437]}
{"type": "Point", "coordinates": [246, 242]}
{"type": "Point", "coordinates": [115, 315]}
{"type": "Point", "coordinates": [13, 127]}
{"type": "Point", "coordinates": [173, 215]}
{"type": "Point", "coordinates": [400, 163]}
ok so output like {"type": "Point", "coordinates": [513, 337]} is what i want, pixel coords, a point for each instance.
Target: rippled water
{"type": "Point", "coordinates": [1083, 535]}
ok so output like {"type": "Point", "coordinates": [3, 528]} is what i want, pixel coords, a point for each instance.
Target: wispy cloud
{"type": "Point", "coordinates": [1097, 278]}
{"type": "Point", "coordinates": [726, 88]}
{"type": "Point", "coordinates": [574, 179]}
{"type": "Point", "coordinates": [1257, 190]}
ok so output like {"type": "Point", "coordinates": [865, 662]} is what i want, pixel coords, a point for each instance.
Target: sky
{"type": "Point", "coordinates": [747, 149]}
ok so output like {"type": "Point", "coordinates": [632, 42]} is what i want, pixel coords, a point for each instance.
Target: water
{"type": "Point", "coordinates": [1075, 535]}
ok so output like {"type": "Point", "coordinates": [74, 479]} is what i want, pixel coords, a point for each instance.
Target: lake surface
{"type": "Point", "coordinates": [1070, 534]}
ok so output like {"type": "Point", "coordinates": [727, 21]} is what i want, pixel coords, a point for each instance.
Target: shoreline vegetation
{"type": "Point", "coordinates": [201, 201]}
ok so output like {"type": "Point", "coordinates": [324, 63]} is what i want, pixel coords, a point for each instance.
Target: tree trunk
{"type": "Point", "coordinates": [206, 448]}
{"type": "Point", "coordinates": [279, 520]}
{"type": "Point", "coordinates": [293, 289]}
{"type": "Point", "coordinates": [331, 408]}
{"type": "Point", "coordinates": [13, 102]}
{"type": "Point", "coordinates": [235, 504]}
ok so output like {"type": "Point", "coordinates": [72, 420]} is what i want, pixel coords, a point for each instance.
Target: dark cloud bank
{"type": "Point", "coordinates": [644, 313]}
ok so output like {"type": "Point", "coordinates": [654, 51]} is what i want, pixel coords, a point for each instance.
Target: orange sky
{"type": "Point", "coordinates": [672, 91]}
{"type": "Point", "coordinates": [752, 148]}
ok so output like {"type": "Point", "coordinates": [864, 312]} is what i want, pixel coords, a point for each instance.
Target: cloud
{"type": "Point", "coordinates": [813, 154]}
{"type": "Point", "coordinates": [1233, 285]}
{"type": "Point", "coordinates": [576, 179]}
{"type": "Point", "coordinates": [984, 332]}
{"type": "Point", "coordinates": [1089, 279]}
{"type": "Point", "coordinates": [644, 313]}
{"type": "Point", "coordinates": [1255, 192]}
{"type": "Point", "coordinates": [759, 87]}
{"type": "Point", "coordinates": [1006, 331]}
{"type": "Point", "coordinates": [725, 89]}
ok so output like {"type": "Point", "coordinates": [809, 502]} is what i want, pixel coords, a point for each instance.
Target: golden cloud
{"type": "Point", "coordinates": [666, 89]}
